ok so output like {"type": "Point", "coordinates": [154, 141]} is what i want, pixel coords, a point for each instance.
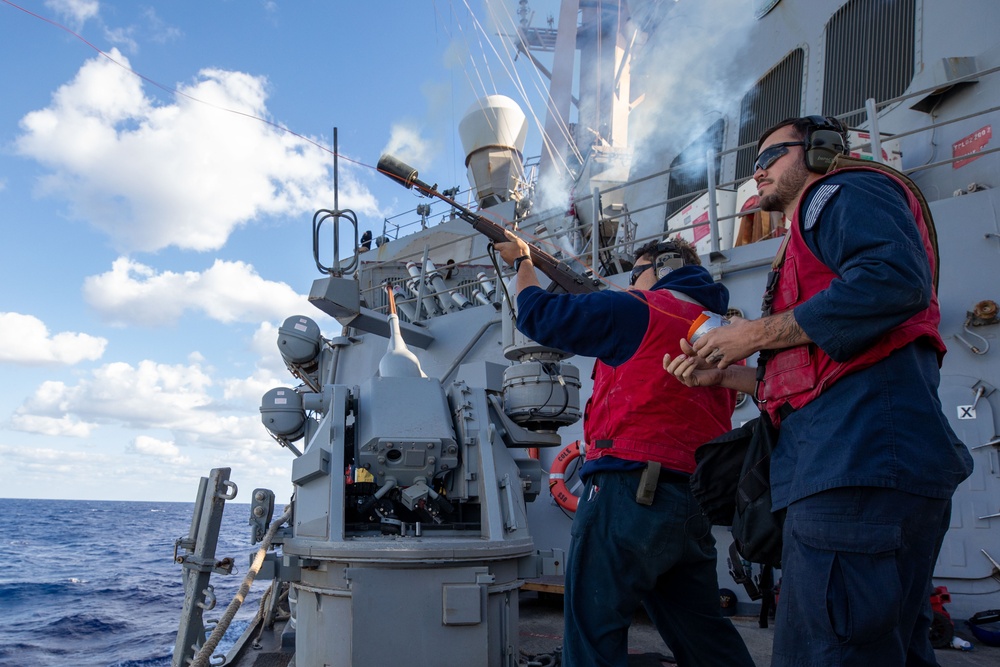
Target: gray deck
{"type": "Point", "coordinates": [541, 633]}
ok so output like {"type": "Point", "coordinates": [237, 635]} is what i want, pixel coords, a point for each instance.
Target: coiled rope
{"type": "Point", "coordinates": [205, 653]}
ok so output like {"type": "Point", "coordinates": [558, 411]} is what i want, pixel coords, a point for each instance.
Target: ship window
{"type": "Point", "coordinates": [775, 97]}
{"type": "Point", "coordinates": [869, 53]}
{"type": "Point", "coordinates": [688, 173]}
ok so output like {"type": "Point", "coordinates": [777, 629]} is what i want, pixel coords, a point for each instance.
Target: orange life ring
{"type": "Point", "coordinates": [557, 476]}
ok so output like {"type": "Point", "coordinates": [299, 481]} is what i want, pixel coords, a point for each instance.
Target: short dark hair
{"type": "Point", "coordinates": [677, 244]}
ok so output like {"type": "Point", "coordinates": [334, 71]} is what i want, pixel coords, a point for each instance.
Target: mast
{"type": "Point", "coordinates": [604, 97]}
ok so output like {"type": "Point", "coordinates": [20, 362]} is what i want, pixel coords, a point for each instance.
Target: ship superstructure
{"type": "Point", "coordinates": [421, 484]}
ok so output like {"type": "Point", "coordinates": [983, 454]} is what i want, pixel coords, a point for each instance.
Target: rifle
{"type": "Point", "coordinates": [558, 271]}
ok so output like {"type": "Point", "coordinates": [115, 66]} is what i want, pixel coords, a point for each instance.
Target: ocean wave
{"type": "Point", "coordinates": [23, 654]}
{"type": "Point", "coordinates": [24, 590]}
{"type": "Point", "coordinates": [82, 625]}
{"type": "Point", "coordinates": [155, 661]}
{"type": "Point", "coordinates": [107, 593]}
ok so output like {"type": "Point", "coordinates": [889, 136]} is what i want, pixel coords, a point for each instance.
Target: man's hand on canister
{"type": "Point", "coordinates": [690, 369]}
{"type": "Point", "coordinates": [693, 371]}
{"type": "Point", "coordinates": [724, 346]}
{"type": "Point", "coordinates": [727, 345]}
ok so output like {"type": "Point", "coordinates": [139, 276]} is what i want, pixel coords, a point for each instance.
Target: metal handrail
{"type": "Point", "coordinates": [871, 109]}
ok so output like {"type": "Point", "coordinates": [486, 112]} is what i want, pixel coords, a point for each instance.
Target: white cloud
{"type": "Point", "coordinates": [145, 396]}
{"type": "Point", "coordinates": [120, 408]}
{"type": "Point", "coordinates": [176, 398]}
{"type": "Point", "coordinates": [159, 449]}
{"type": "Point", "coordinates": [184, 174]}
{"type": "Point", "coordinates": [25, 340]}
{"type": "Point", "coordinates": [42, 455]}
{"type": "Point", "coordinates": [269, 373]}
{"type": "Point", "coordinates": [133, 293]}
{"type": "Point", "coordinates": [78, 11]}
{"type": "Point", "coordinates": [56, 426]}
{"type": "Point", "coordinates": [150, 446]}
{"type": "Point", "coordinates": [88, 470]}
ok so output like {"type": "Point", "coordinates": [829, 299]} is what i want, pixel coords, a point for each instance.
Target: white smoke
{"type": "Point", "coordinates": [686, 69]}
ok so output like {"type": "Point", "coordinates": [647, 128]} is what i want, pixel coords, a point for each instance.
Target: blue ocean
{"type": "Point", "coordinates": [93, 583]}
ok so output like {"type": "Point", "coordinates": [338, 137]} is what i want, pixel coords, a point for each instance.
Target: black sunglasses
{"type": "Point", "coordinates": [637, 271]}
{"type": "Point", "coordinates": [772, 153]}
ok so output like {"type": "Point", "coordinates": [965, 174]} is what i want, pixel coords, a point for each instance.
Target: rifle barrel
{"type": "Point", "coordinates": [556, 270]}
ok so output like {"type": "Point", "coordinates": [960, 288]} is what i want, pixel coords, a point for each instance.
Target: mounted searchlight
{"type": "Point", "coordinates": [282, 414]}
{"type": "Point", "coordinates": [299, 340]}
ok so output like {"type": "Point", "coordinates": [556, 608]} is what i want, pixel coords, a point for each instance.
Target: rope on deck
{"type": "Point", "coordinates": [205, 653]}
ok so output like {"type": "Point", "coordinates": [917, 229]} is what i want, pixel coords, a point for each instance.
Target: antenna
{"type": "Point", "coordinates": [322, 215]}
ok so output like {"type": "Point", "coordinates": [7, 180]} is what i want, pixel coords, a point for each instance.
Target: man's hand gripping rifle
{"type": "Point", "coordinates": [557, 271]}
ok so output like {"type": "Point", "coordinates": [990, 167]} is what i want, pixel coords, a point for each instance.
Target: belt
{"type": "Point", "coordinates": [668, 476]}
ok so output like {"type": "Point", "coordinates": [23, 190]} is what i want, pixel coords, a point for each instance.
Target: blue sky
{"type": "Point", "coordinates": [154, 241]}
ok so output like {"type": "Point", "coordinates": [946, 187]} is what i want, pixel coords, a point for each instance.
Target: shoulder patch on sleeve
{"type": "Point", "coordinates": [824, 194]}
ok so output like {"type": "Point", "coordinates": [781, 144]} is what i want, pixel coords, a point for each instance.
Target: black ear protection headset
{"type": "Point", "coordinates": [668, 258]}
{"type": "Point", "coordinates": [825, 139]}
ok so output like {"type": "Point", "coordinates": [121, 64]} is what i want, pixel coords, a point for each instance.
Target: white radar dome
{"type": "Point", "coordinates": [493, 132]}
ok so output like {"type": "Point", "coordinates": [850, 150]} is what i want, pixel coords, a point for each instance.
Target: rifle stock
{"type": "Point", "coordinates": [556, 270]}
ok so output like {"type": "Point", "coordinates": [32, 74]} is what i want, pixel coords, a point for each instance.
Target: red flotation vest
{"type": "Point", "coordinates": [797, 375]}
{"type": "Point", "coordinates": [639, 412]}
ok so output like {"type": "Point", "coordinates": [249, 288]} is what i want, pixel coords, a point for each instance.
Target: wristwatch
{"type": "Point", "coordinates": [517, 262]}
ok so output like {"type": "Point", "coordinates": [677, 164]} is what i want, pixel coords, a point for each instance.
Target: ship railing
{"type": "Point", "coordinates": [871, 111]}
{"type": "Point", "coordinates": [411, 220]}
{"type": "Point", "coordinates": [374, 295]}
{"type": "Point", "coordinates": [420, 217]}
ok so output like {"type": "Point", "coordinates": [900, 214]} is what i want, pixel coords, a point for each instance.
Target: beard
{"type": "Point", "coordinates": [786, 188]}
